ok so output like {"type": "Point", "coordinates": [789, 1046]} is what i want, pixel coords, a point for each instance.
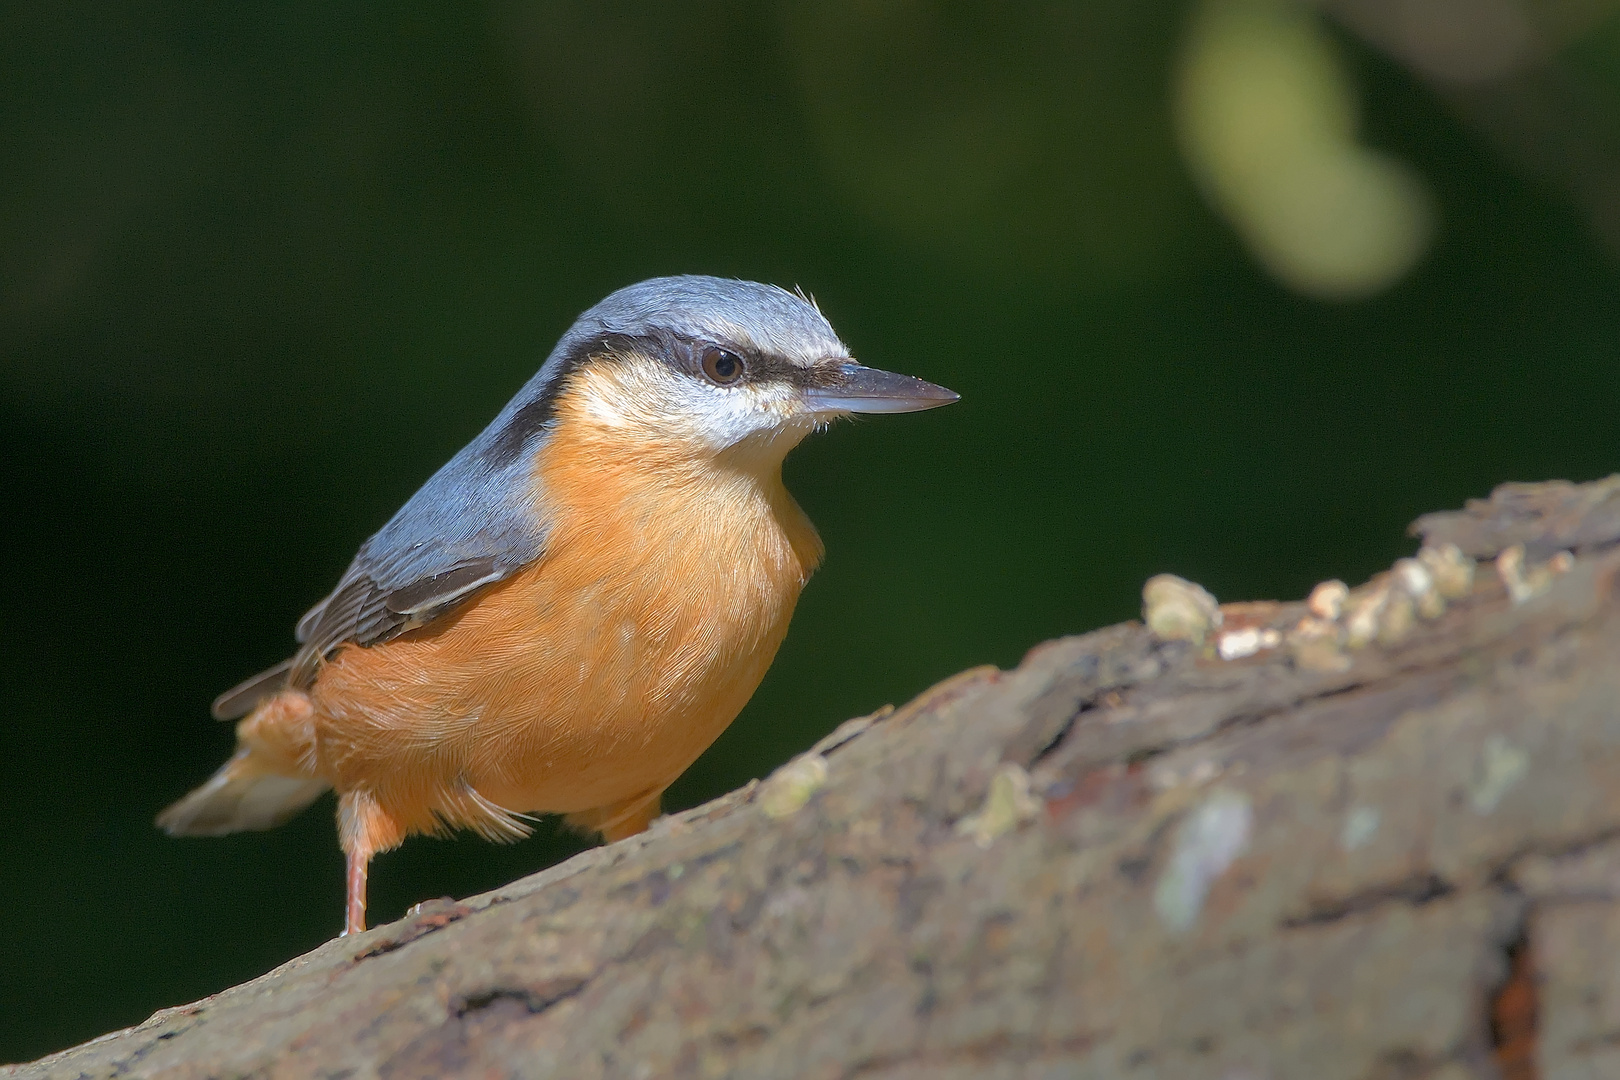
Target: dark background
{"type": "Point", "coordinates": [264, 267]}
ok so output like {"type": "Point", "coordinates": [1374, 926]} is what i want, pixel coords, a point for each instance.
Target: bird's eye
{"type": "Point", "coordinates": [723, 368]}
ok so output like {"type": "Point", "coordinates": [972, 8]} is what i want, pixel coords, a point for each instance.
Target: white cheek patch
{"type": "Point", "coordinates": [602, 404]}
{"type": "Point", "coordinates": [667, 404]}
{"type": "Point", "coordinates": [624, 395]}
{"type": "Point", "coordinates": [720, 417]}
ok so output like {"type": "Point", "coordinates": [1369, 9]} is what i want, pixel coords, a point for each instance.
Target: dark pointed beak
{"type": "Point", "coordinates": [867, 390]}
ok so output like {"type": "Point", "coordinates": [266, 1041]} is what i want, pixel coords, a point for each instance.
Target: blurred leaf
{"type": "Point", "coordinates": [1268, 123]}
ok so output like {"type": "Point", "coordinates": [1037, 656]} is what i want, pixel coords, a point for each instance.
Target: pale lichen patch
{"type": "Point", "coordinates": [786, 790]}
{"type": "Point", "coordinates": [1314, 644]}
{"type": "Point", "coordinates": [1453, 571]}
{"type": "Point", "coordinates": [1418, 582]}
{"type": "Point", "coordinates": [1176, 609]}
{"type": "Point", "coordinates": [1523, 581]}
{"type": "Point", "coordinates": [1208, 841]}
{"type": "Point", "coordinates": [1327, 599]}
{"type": "Point", "coordinates": [1363, 611]}
{"type": "Point", "coordinates": [1360, 826]}
{"type": "Point", "coordinates": [1008, 804]}
{"type": "Point", "coordinates": [1236, 644]}
{"type": "Point", "coordinates": [1501, 766]}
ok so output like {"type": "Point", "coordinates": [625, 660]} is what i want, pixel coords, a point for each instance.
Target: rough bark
{"type": "Point", "coordinates": [1125, 858]}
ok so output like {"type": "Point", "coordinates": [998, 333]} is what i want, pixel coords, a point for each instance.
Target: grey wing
{"type": "Point", "coordinates": [374, 603]}
{"type": "Point", "coordinates": [472, 524]}
{"type": "Point", "coordinates": [361, 611]}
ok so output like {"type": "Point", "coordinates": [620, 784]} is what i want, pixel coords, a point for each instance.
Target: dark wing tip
{"type": "Point", "coordinates": [441, 589]}
{"type": "Point", "coordinates": [240, 699]}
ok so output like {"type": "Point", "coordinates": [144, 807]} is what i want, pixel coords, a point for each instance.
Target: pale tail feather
{"type": "Point", "coordinates": [239, 797]}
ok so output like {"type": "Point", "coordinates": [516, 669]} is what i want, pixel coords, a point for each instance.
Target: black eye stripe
{"type": "Point", "coordinates": [687, 354]}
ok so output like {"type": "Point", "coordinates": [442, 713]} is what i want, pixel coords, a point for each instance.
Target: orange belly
{"type": "Point", "coordinates": [593, 676]}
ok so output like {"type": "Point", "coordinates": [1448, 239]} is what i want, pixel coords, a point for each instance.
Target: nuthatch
{"type": "Point", "coordinates": [575, 606]}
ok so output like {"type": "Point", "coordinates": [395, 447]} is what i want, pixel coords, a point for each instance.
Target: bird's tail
{"type": "Point", "coordinates": [242, 795]}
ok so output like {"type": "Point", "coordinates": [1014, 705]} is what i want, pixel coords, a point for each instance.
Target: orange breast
{"type": "Point", "coordinates": [597, 673]}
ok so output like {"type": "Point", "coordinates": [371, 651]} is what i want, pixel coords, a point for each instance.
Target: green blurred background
{"type": "Point", "coordinates": [1232, 289]}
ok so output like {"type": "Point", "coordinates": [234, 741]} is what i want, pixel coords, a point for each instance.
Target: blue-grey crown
{"type": "Point", "coordinates": [761, 317]}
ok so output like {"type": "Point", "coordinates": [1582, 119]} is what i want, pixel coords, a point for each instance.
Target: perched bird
{"type": "Point", "coordinates": [575, 606]}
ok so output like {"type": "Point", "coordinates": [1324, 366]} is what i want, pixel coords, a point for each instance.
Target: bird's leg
{"type": "Point", "coordinates": [364, 829]}
{"type": "Point", "coordinates": [355, 918]}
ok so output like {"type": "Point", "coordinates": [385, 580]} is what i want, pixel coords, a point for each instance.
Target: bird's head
{"type": "Point", "coordinates": [716, 367]}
